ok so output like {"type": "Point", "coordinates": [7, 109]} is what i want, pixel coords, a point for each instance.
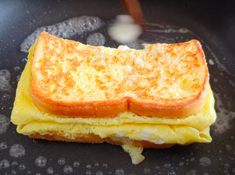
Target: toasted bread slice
{"type": "Point", "coordinates": [76, 80]}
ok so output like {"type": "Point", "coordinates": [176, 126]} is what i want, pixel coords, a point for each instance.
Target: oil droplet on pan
{"type": "Point", "coordinates": [61, 161]}
{"type": "Point", "coordinates": [17, 150]}
{"type": "Point", "coordinates": [50, 170]}
{"type": "Point", "coordinates": [3, 145]}
{"type": "Point", "coordinates": [76, 164]}
{"type": "Point", "coordinates": [4, 164]}
{"type": "Point", "coordinates": [68, 169]}
{"type": "Point", "coordinates": [5, 77]}
{"type": "Point", "coordinates": [4, 123]}
{"type": "Point", "coordinates": [41, 161]}
{"type": "Point", "coordinates": [205, 161]}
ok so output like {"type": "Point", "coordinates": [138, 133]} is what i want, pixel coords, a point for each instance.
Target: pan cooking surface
{"type": "Point", "coordinates": [21, 155]}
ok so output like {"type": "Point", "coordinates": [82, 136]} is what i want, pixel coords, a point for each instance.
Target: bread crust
{"type": "Point", "coordinates": [163, 108]}
{"type": "Point", "coordinates": [169, 110]}
{"type": "Point", "coordinates": [91, 138]}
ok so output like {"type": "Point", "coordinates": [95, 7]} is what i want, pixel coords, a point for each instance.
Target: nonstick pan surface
{"type": "Point", "coordinates": [213, 23]}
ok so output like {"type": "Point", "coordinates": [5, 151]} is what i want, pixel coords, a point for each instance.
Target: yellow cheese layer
{"type": "Point", "coordinates": [30, 120]}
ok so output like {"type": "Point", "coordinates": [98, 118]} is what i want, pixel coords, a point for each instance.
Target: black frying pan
{"type": "Point", "coordinates": [213, 23]}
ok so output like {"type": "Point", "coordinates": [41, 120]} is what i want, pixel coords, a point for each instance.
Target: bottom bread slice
{"type": "Point", "coordinates": [133, 147]}
{"type": "Point", "coordinates": [131, 131]}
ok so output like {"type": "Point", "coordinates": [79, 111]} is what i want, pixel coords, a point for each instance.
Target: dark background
{"type": "Point", "coordinates": [213, 21]}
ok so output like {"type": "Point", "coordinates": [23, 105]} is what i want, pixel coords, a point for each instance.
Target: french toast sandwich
{"type": "Point", "coordinates": [155, 97]}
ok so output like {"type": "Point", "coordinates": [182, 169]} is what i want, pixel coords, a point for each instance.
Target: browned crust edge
{"type": "Point", "coordinates": [91, 138]}
{"type": "Point", "coordinates": [110, 108]}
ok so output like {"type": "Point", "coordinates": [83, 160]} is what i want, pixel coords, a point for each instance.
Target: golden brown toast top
{"type": "Point", "coordinates": [73, 79]}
